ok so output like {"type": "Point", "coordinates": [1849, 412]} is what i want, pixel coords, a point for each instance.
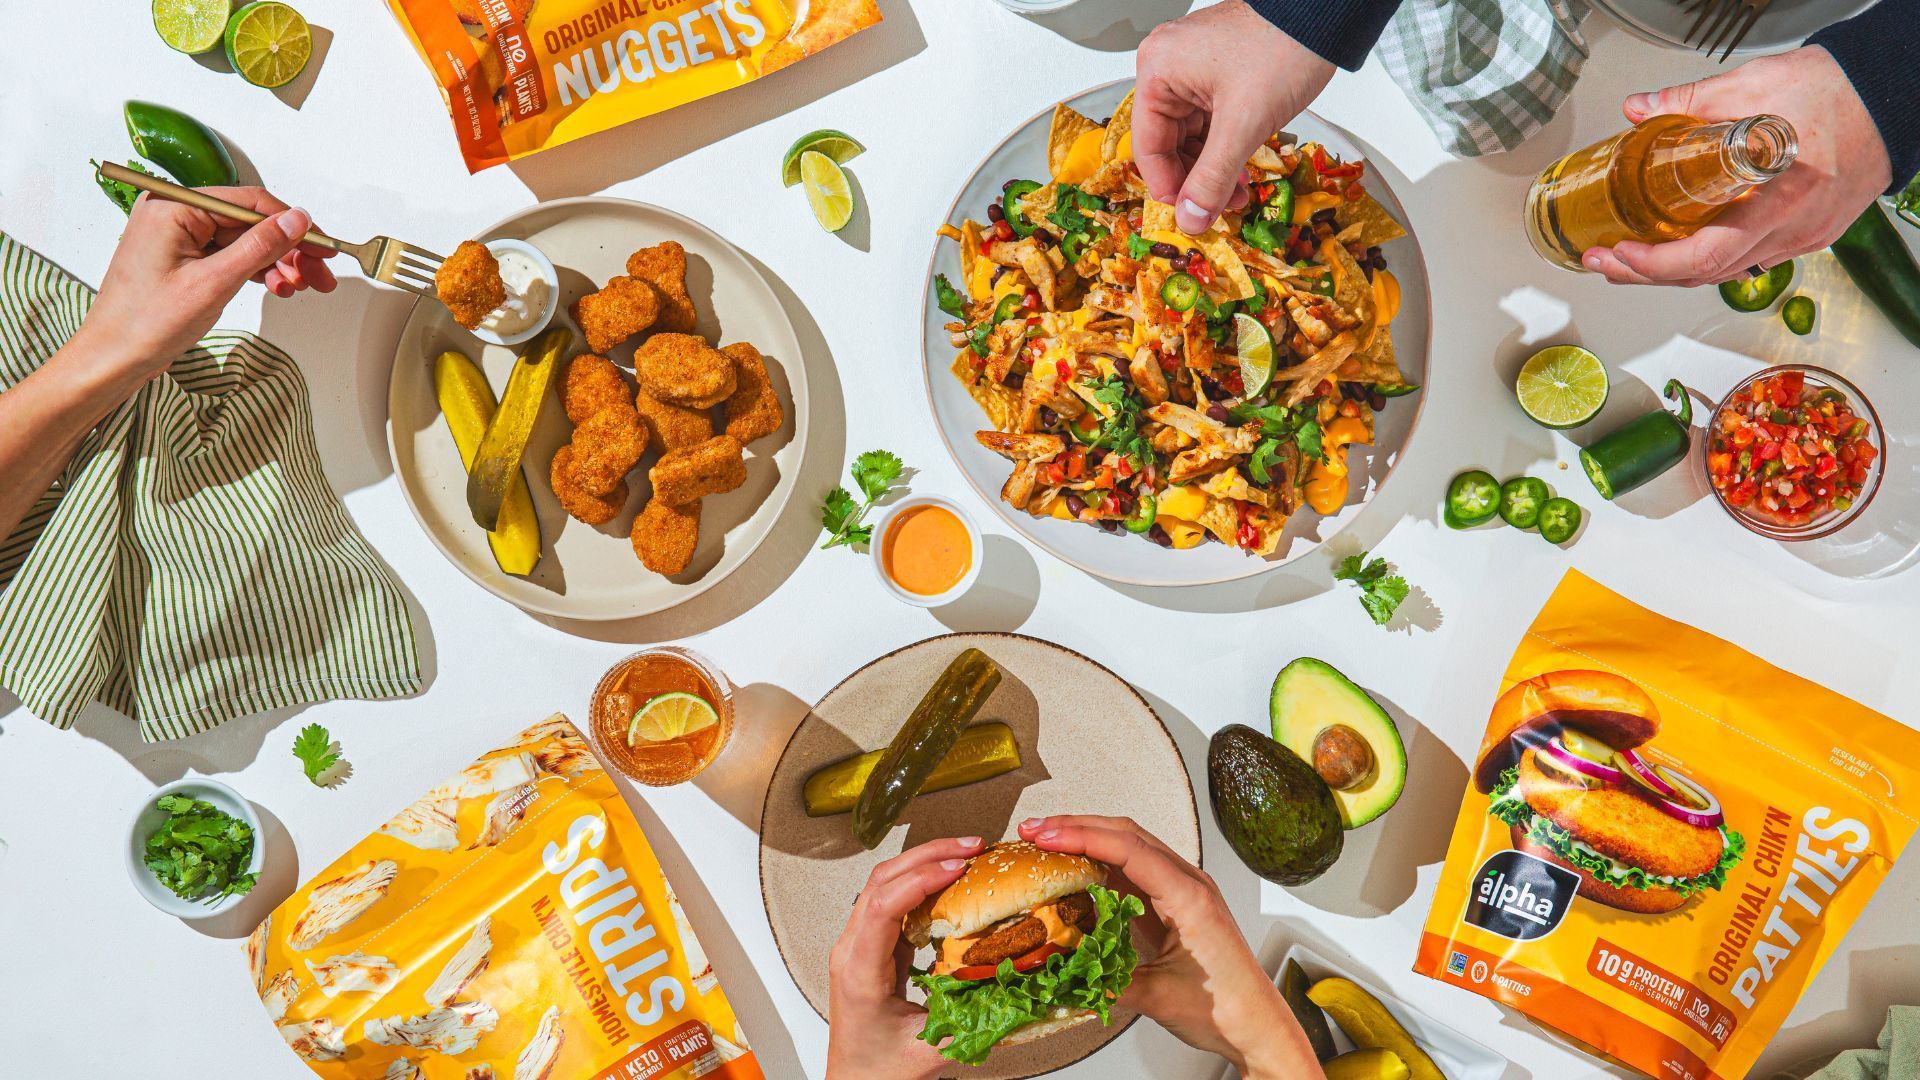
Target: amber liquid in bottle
{"type": "Point", "coordinates": [638, 679]}
{"type": "Point", "coordinates": [1661, 180]}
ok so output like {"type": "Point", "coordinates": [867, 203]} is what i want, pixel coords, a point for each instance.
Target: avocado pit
{"type": "Point", "coordinates": [1341, 757]}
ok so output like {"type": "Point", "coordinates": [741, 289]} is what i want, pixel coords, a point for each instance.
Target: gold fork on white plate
{"type": "Point", "coordinates": [382, 258]}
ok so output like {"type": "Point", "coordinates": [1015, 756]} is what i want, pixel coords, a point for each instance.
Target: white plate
{"type": "Point", "coordinates": [1782, 26]}
{"type": "Point", "coordinates": [1458, 1056]}
{"type": "Point", "coordinates": [1132, 559]}
{"type": "Point", "coordinates": [586, 572]}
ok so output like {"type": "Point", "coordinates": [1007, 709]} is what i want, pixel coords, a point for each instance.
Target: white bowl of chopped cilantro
{"type": "Point", "coordinates": [195, 848]}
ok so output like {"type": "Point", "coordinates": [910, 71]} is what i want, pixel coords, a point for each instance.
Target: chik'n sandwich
{"type": "Point", "coordinates": [1026, 943]}
{"type": "Point", "coordinates": [1562, 765]}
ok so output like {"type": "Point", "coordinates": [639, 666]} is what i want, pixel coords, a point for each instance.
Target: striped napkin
{"type": "Point", "coordinates": [192, 564]}
{"type": "Point", "coordinates": [1485, 74]}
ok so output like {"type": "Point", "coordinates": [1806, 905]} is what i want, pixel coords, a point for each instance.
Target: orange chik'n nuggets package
{"type": "Point", "coordinates": [513, 923]}
{"type": "Point", "coordinates": [519, 76]}
{"type": "Point", "coordinates": [1664, 837]}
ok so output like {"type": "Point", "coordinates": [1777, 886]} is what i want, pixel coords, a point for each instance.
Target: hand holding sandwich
{"type": "Point", "coordinates": [1203, 984]}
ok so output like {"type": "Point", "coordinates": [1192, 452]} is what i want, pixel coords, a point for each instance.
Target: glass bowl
{"type": "Point", "coordinates": [1817, 378]}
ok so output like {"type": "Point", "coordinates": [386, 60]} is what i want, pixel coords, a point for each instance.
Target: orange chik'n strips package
{"type": "Point", "coordinates": [512, 922]}
{"type": "Point", "coordinates": [1663, 839]}
{"type": "Point", "coordinates": [519, 76]}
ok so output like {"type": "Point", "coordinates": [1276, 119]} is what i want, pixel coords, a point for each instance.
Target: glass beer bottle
{"type": "Point", "coordinates": [1660, 180]}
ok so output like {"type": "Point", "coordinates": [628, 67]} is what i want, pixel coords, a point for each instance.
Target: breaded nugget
{"type": "Point", "coordinates": [664, 266]}
{"type": "Point", "coordinates": [709, 468]}
{"type": "Point", "coordinates": [673, 427]}
{"type": "Point", "coordinates": [608, 317]}
{"type": "Point", "coordinates": [579, 504]}
{"type": "Point", "coordinates": [606, 446]}
{"type": "Point", "coordinates": [684, 369]}
{"type": "Point", "coordinates": [593, 384]}
{"type": "Point", "coordinates": [469, 283]}
{"type": "Point", "coordinates": [665, 535]}
{"type": "Point", "coordinates": [753, 411]}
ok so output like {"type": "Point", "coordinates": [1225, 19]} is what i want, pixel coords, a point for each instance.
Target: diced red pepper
{"type": "Point", "coordinates": [1720, 464]}
{"type": "Point", "coordinates": [1768, 451]}
{"type": "Point", "coordinates": [1002, 230]}
{"type": "Point", "coordinates": [1232, 382]}
{"type": "Point", "coordinates": [1791, 455]}
{"type": "Point", "coordinates": [1826, 465]}
{"type": "Point", "coordinates": [1031, 301]}
{"type": "Point", "coordinates": [1065, 369]}
{"type": "Point", "coordinates": [1743, 437]}
{"type": "Point", "coordinates": [1125, 468]}
{"type": "Point", "coordinates": [1200, 268]}
{"type": "Point", "coordinates": [1743, 493]}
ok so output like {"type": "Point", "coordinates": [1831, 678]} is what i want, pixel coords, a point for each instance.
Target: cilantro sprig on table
{"type": "Point", "coordinates": [1278, 426]}
{"type": "Point", "coordinates": [200, 852]}
{"type": "Point", "coordinates": [948, 298]}
{"type": "Point", "coordinates": [1380, 592]}
{"type": "Point", "coordinates": [873, 473]}
{"type": "Point", "coordinates": [320, 757]}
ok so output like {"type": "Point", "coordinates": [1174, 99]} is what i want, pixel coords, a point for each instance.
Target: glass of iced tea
{"type": "Point", "coordinates": [662, 715]}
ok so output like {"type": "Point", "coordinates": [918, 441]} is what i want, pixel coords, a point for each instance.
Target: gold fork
{"type": "Point", "coordinates": [1730, 21]}
{"type": "Point", "coordinates": [382, 258]}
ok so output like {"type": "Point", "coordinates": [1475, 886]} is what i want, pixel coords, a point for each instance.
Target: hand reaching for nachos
{"type": "Point", "coordinates": [1212, 87]}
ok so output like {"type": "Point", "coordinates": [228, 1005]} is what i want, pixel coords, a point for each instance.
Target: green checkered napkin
{"type": "Point", "coordinates": [192, 564]}
{"type": "Point", "coordinates": [1485, 74]}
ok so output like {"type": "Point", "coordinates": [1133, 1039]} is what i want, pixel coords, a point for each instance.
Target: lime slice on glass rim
{"type": "Point", "coordinates": [670, 716]}
{"type": "Point", "coordinates": [838, 145]}
{"type": "Point", "coordinates": [268, 43]}
{"type": "Point", "coordinates": [191, 26]}
{"type": "Point", "coordinates": [1254, 346]}
{"type": "Point", "coordinates": [828, 193]}
{"type": "Point", "coordinates": [1562, 387]}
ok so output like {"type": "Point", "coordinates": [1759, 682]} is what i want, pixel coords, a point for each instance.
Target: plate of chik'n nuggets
{"type": "Point", "coordinates": [670, 434]}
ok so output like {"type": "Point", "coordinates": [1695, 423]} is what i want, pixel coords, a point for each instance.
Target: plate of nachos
{"type": "Point", "coordinates": [1163, 409]}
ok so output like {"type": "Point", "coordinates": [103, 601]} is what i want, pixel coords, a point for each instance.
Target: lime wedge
{"type": "Point", "coordinates": [828, 192]}
{"type": "Point", "coordinates": [670, 716]}
{"type": "Point", "coordinates": [268, 43]}
{"type": "Point", "coordinates": [1562, 387]}
{"type": "Point", "coordinates": [838, 145]}
{"type": "Point", "coordinates": [1255, 348]}
{"type": "Point", "coordinates": [191, 26]}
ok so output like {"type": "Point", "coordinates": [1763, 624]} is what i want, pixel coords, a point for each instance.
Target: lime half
{"type": "Point", "coordinates": [1255, 348]}
{"type": "Point", "coordinates": [670, 716]}
{"type": "Point", "coordinates": [268, 43]}
{"type": "Point", "coordinates": [828, 192]}
{"type": "Point", "coordinates": [1562, 387]}
{"type": "Point", "coordinates": [838, 145]}
{"type": "Point", "coordinates": [191, 26]}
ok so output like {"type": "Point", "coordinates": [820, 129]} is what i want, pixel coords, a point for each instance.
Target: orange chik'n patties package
{"type": "Point", "coordinates": [519, 76]}
{"type": "Point", "coordinates": [1663, 839]}
{"type": "Point", "coordinates": [512, 923]}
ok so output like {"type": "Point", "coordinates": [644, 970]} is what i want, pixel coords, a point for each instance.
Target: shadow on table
{"type": "Point", "coordinates": [754, 1007]}
{"type": "Point", "coordinates": [279, 877]}
{"type": "Point", "coordinates": [797, 530]}
{"type": "Point", "coordinates": [1380, 864]}
{"type": "Point", "coordinates": [601, 160]}
{"type": "Point", "coordinates": [1110, 25]}
{"type": "Point", "coordinates": [765, 718]}
{"type": "Point", "coordinates": [1002, 597]}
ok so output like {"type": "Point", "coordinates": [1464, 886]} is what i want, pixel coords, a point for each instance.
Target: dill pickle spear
{"type": "Point", "coordinates": [920, 744]}
{"type": "Point", "coordinates": [982, 752]}
{"type": "Point", "coordinates": [467, 402]}
{"type": "Point", "coordinates": [497, 462]}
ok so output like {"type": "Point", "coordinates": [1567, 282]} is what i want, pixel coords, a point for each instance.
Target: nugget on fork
{"type": "Point", "coordinates": [468, 282]}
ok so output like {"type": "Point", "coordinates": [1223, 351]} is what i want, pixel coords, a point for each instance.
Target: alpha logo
{"type": "Point", "coordinates": [1520, 897]}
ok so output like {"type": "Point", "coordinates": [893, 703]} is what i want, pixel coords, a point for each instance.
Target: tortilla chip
{"type": "Point", "coordinates": [1068, 126]}
{"type": "Point", "coordinates": [999, 403]}
{"type": "Point", "coordinates": [1231, 280]}
{"type": "Point", "coordinates": [1117, 129]}
{"type": "Point", "coordinates": [1266, 160]}
{"type": "Point", "coordinates": [1374, 362]}
{"type": "Point", "coordinates": [822, 23]}
{"type": "Point", "coordinates": [1201, 354]}
{"type": "Point", "coordinates": [971, 252]}
{"type": "Point", "coordinates": [1221, 517]}
{"type": "Point", "coordinates": [1351, 289]}
{"type": "Point", "coordinates": [1267, 524]}
{"type": "Point", "coordinates": [1376, 225]}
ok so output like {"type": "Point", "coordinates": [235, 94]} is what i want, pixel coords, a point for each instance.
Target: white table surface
{"type": "Point", "coordinates": [93, 982]}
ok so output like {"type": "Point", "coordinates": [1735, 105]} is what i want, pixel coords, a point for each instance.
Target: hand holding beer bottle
{"type": "Point", "coordinates": [1840, 167]}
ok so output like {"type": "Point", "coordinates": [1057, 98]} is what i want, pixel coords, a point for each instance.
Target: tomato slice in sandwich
{"type": "Point", "coordinates": [976, 972]}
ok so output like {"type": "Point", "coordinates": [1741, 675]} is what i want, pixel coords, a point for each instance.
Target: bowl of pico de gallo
{"type": "Point", "coordinates": [1795, 452]}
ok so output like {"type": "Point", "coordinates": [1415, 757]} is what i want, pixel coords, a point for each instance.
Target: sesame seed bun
{"type": "Point", "coordinates": [1007, 879]}
{"type": "Point", "coordinates": [1597, 703]}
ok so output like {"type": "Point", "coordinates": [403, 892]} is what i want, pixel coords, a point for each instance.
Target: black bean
{"type": "Point", "coordinates": [1158, 535]}
{"type": "Point", "coordinates": [1373, 251]}
{"type": "Point", "coordinates": [1008, 186]}
{"type": "Point", "coordinates": [995, 212]}
{"type": "Point", "coordinates": [1164, 250]}
{"type": "Point", "coordinates": [1179, 262]}
{"type": "Point", "coordinates": [1047, 416]}
{"type": "Point", "coordinates": [1353, 390]}
{"type": "Point", "coordinates": [1075, 504]}
{"type": "Point", "coordinates": [1218, 413]}
{"type": "Point", "coordinates": [1367, 269]}
{"type": "Point", "coordinates": [1376, 400]}
{"type": "Point", "coordinates": [1123, 373]}
{"type": "Point", "coordinates": [997, 272]}
{"type": "Point", "coordinates": [1110, 525]}
{"type": "Point", "coordinates": [1193, 253]}
{"type": "Point", "coordinates": [1328, 216]}
{"type": "Point", "coordinates": [1015, 381]}
{"type": "Point", "coordinates": [1042, 239]}
{"type": "Point", "coordinates": [1123, 502]}
{"type": "Point", "coordinates": [1107, 121]}
{"type": "Point", "coordinates": [1213, 389]}
{"type": "Point", "coordinates": [1377, 260]}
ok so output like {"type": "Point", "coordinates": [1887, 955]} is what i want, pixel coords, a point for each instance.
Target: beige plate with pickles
{"type": "Point", "coordinates": [585, 572]}
{"type": "Point", "coordinates": [1089, 744]}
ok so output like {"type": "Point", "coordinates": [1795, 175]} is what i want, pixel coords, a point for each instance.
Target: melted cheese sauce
{"type": "Point", "coordinates": [1327, 480]}
{"type": "Point", "coordinates": [1058, 933]}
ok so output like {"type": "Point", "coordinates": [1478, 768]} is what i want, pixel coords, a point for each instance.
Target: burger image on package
{"type": "Point", "coordinates": [1027, 943]}
{"type": "Point", "coordinates": [1560, 761]}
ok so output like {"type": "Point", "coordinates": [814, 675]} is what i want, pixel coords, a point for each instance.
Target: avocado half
{"type": "Point", "coordinates": [1310, 697]}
